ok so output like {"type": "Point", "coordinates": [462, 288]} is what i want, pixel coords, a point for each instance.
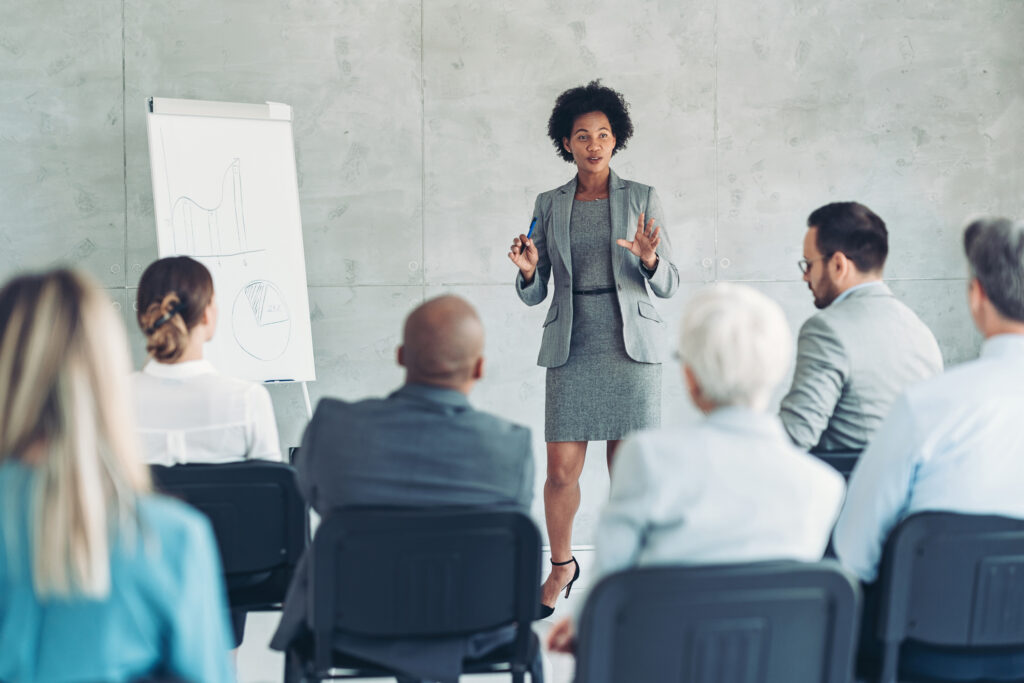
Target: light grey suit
{"type": "Point", "coordinates": [853, 360]}
{"type": "Point", "coordinates": [642, 327]}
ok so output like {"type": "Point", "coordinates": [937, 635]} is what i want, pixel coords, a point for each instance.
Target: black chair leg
{"type": "Point", "coordinates": [537, 668]}
{"type": "Point", "coordinates": [292, 668]}
{"type": "Point", "coordinates": [890, 662]}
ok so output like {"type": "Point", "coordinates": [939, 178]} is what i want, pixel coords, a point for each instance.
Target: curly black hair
{"type": "Point", "coordinates": [580, 100]}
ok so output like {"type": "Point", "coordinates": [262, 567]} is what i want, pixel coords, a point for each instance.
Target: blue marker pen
{"type": "Point", "coordinates": [529, 232]}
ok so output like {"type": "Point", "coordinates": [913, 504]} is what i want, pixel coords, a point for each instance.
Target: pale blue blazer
{"type": "Point", "coordinates": [643, 329]}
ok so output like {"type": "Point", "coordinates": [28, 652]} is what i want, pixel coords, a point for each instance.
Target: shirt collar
{"type": "Point", "coordinates": [434, 394]}
{"type": "Point", "coordinates": [853, 289]}
{"type": "Point", "coordinates": [1003, 345]}
{"type": "Point", "coordinates": [736, 418]}
{"type": "Point", "coordinates": [614, 183]}
{"type": "Point", "coordinates": [190, 368]}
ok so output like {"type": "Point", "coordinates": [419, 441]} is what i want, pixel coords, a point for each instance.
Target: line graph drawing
{"type": "Point", "coordinates": [218, 230]}
{"type": "Point", "coordinates": [261, 321]}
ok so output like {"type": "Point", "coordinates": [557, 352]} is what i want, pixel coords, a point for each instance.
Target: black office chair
{"type": "Point", "coordinates": [842, 461]}
{"type": "Point", "coordinates": [949, 580]}
{"type": "Point", "coordinates": [259, 519]}
{"type": "Point", "coordinates": [771, 622]}
{"type": "Point", "coordinates": [422, 573]}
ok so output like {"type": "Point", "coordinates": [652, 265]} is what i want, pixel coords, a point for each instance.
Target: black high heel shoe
{"type": "Point", "coordinates": [546, 611]}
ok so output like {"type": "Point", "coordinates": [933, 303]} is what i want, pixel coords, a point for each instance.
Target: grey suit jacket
{"type": "Point", "coordinates": [853, 360]}
{"type": "Point", "coordinates": [642, 327]}
{"type": "Point", "coordinates": [420, 446]}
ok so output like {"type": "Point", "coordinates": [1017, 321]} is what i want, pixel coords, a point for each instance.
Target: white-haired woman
{"type": "Point", "coordinates": [731, 488]}
{"type": "Point", "coordinates": [99, 579]}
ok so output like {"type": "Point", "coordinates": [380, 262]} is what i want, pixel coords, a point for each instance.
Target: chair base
{"type": "Point", "coordinates": [299, 669]}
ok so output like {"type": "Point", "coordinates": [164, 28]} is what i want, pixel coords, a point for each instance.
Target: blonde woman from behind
{"type": "Point", "coordinates": [99, 578]}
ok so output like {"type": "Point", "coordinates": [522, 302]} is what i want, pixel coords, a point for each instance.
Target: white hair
{"type": "Point", "coordinates": [736, 342]}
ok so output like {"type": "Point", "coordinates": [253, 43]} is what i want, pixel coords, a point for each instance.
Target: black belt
{"type": "Point", "coordinates": [602, 290]}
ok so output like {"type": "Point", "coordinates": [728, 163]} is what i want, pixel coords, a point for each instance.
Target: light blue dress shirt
{"type": "Point", "coordinates": [951, 443]}
{"type": "Point", "coordinates": [729, 488]}
{"type": "Point", "coordinates": [166, 612]}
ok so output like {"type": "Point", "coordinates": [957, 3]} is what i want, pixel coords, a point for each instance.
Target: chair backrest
{"type": "Point", "coordinates": [841, 461]}
{"type": "Point", "coordinates": [772, 622]}
{"type": "Point", "coordinates": [411, 573]}
{"type": "Point", "coordinates": [258, 515]}
{"type": "Point", "coordinates": [953, 580]}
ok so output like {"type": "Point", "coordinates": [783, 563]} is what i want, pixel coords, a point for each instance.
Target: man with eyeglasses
{"type": "Point", "coordinates": [864, 347]}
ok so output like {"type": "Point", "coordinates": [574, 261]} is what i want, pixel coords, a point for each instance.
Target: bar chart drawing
{"type": "Point", "coordinates": [261, 321]}
{"type": "Point", "coordinates": [216, 230]}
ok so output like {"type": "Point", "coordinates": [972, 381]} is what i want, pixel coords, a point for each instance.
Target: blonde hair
{"type": "Point", "coordinates": [64, 396]}
{"type": "Point", "coordinates": [737, 343]}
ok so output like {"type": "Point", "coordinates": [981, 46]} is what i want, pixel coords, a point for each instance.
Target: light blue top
{"type": "Point", "coordinates": [166, 612]}
{"type": "Point", "coordinates": [729, 488]}
{"type": "Point", "coordinates": [951, 443]}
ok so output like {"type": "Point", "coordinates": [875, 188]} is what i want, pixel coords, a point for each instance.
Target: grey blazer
{"type": "Point", "coordinates": [642, 327]}
{"type": "Point", "coordinates": [853, 360]}
{"type": "Point", "coordinates": [420, 446]}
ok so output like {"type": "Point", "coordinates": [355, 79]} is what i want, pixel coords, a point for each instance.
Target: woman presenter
{"type": "Point", "coordinates": [603, 239]}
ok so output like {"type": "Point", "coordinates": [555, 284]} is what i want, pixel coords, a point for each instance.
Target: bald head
{"type": "Point", "coordinates": [443, 343]}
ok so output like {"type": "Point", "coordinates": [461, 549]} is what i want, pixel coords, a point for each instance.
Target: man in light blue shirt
{"type": "Point", "coordinates": [864, 347]}
{"type": "Point", "coordinates": [954, 442]}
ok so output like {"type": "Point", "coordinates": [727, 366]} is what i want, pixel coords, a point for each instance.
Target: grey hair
{"type": "Point", "coordinates": [995, 252]}
{"type": "Point", "coordinates": [737, 343]}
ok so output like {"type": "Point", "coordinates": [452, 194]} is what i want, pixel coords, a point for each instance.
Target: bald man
{"type": "Point", "coordinates": [424, 445]}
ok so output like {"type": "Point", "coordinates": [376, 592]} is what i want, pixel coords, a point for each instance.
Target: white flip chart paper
{"type": "Point", "coordinates": [225, 192]}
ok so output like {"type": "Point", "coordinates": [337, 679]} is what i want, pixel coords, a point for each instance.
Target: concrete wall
{"type": "Point", "coordinates": [420, 133]}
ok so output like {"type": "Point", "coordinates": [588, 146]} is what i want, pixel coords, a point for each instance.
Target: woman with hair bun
{"type": "Point", "coordinates": [188, 412]}
{"type": "Point", "coordinates": [100, 580]}
{"type": "Point", "coordinates": [603, 240]}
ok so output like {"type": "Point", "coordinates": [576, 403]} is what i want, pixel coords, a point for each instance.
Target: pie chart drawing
{"type": "Point", "coordinates": [261, 321]}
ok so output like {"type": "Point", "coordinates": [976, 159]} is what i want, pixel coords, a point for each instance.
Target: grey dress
{"type": "Point", "coordinates": [600, 393]}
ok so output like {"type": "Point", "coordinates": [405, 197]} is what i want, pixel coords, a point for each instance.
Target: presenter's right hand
{"type": "Point", "coordinates": [524, 254]}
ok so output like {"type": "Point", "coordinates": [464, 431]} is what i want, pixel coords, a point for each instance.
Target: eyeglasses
{"type": "Point", "coordinates": [805, 264]}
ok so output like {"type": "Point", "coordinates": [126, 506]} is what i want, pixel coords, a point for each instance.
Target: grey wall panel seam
{"type": "Point", "coordinates": [124, 147]}
{"type": "Point", "coordinates": [716, 179]}
{"type": "Point", "coordinates": [423, 160]}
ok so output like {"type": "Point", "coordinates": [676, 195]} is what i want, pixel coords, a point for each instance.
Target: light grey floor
{"type": "Point", "coordinates": [257, 663]}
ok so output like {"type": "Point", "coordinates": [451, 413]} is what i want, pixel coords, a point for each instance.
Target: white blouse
{"type": "Point", "coordinates": [189, 413]}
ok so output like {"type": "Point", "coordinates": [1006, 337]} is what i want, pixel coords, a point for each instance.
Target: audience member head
{"type": "Point", "coordinates": [586, 99]}
{"type": "Point", "coordinates": [64, 412]}
{"type": "Point", "coordinates": [175, 308]}
{"type": "Point", "coordinates": [735, 347]}
{"type": "Point", "coordinates": [443, 344]}
{"type": "Point", "coordinates": [995, 254]}
{"type": "Point", "coordinates": [845, 245]}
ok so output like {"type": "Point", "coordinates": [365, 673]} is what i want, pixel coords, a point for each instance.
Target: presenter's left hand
{"type": "Point", "coordinates": [562, 637]}
{"type": "Point", "coordinates": [644, 243]}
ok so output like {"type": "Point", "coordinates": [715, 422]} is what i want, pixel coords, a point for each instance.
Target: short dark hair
{"type": "Point", "coordinates": [576, 102]}
{"type": "Point", "coordinates": [853, 229]}
{"type": "Point", "coordinates": [995, 252]}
